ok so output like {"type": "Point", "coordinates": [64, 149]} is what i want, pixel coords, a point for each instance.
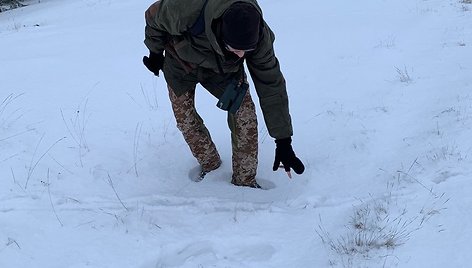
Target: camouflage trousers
{"type": "Point", "coordinates": [244, 137]}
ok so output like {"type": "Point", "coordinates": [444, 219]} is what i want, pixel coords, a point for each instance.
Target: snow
{"type": "Point", "coordinates": [94, 172]}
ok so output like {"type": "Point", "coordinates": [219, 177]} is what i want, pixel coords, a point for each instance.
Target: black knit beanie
{"type": "Point", "coordinates": [240, 26]}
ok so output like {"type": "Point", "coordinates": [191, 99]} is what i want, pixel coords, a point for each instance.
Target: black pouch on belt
{"type": "Point", "coordinates": [232, 96]}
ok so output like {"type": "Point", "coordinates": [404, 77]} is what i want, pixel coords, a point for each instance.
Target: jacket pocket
{"type": "Point", "coordinates": [185, 51]}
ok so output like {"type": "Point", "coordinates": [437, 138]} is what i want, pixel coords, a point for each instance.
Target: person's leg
{"type": "Point", "coordinates": [244, 138]}
{"type": "Point", "coordinates": [194, 131]}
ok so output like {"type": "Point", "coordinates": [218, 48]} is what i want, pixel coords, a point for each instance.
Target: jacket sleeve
{"type": "Point", "coordinates": [155, 38]}
{"type": "Point", "coordinates": [270, 85]}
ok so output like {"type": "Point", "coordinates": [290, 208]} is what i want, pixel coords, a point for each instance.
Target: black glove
{"type": "Point", "coordinates": [154, 62]}
{"type": "Point", "coordinates": [284, 153]}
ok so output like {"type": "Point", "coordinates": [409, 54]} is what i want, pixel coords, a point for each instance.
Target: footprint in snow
{"type": "Point", "coordinates": [195, 174]}
{"type": "Point", "coordinates": [205, 253]}
{"type": "Point", "coordinates": [176, 256]}
{"type": "Point", "coordinates": [444, 176]}
{"type": "Point", "coordinates": [255, 253]}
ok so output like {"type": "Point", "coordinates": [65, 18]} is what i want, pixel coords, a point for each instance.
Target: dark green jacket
{"type": "Point", "coordinates": [167, 29]}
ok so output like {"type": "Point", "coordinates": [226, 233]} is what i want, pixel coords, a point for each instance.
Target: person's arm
{"type": "Point", "coordinates": [270, 86]}
{"type": "Point", "coordinates": [271, 89]}
{"type": "Point", "coordinates": [155, 40]}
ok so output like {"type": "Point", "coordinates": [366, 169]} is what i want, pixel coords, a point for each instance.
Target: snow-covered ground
{"type": "Point", "coordinates": [93, 171]}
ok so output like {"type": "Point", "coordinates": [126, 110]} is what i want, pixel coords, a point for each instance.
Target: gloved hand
{"type": "Point", "coordinates": [284, 154]}
{"type": "Point", "coordinates": [154, 62]}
